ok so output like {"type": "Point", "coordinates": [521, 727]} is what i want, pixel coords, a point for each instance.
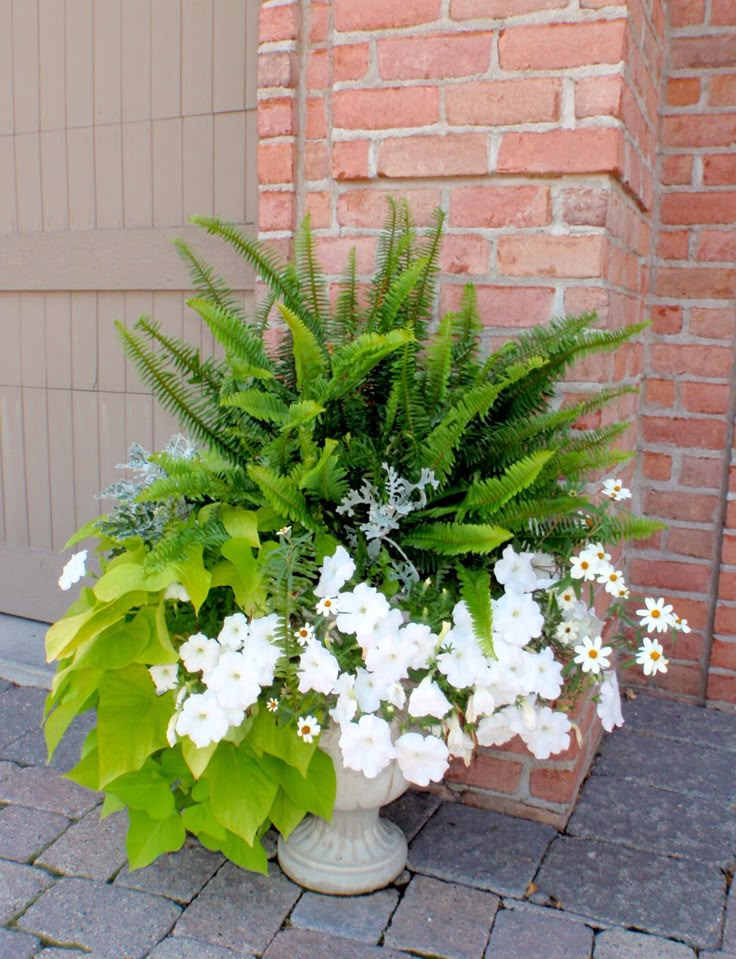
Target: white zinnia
{"type": "Point", "coordinates": [428, 700]}
{"type": "Point", "coordinates": [366, 745]}
{"type": "Point", "coordinates": [335, 572]}
{"type": "Point", "coordinates": [421, 759]}
{"type": "Point", "coordinates": [203, 719]}
{"type": "Point", "coordinates": [74, 570]}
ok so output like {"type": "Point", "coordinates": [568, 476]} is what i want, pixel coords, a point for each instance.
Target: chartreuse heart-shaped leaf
{"type": "Point", "coordinates": [149, 838]}
{"type": "Point", "coordinates": [281, 741]}
{"type": "Point", "coordinates": [241, 794]}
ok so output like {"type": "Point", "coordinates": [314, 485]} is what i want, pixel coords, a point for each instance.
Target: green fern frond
{"type": "Point", "coordinates": [315, 302]}
{"type": "Point", "coordinates": [327, 478]}
{"type": "Point", "coordinates": [232, 334]}
{"type": "Point", "coordinates": [261, 406]}
{"type": "Point", "coordinates": [182, 540]}
{"type": "Point", "coordinates": [341, 327]}
{"type": "Point", "coordinates": [455, 539]}
{"type": "Point", "coordinates": [282, 494]}
{"type": "Point", "coordinates": [438, 363]}
{"type": "Point", "coordinates": [475, 589]}
{"type": "Point", "coordinates": [352, 363]}
{"type": "Point", "coordinates": [208, 284]}
{"type": "Point", "coordinates": [488, 496]}
{"type": "Point", "coordinates": [310, 360]}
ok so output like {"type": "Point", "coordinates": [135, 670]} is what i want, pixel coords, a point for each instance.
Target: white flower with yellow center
{"type": "Point", "coordinates": [566, 598]}
{"type": "Point", "coordinates": [615, 490]}
{"type": "Point", "coordinates": [307, 728]}
{"type": "Point", "coordinates": [304, 634]}
{"type": "Point", "coordinates": [651, 658]}
{"type": "Point", "coordinates": [583, 567]}
{"type": "Point", "coordinates": [657, 616]}
{"type": "Point", "coordinates": [327, 606]}
{"type": "Point", "coordinates": [592, 656]}
{"type": "Point", "coordinates": [681, 624]}
{"type": "Point", "coordinates": [613, 580]}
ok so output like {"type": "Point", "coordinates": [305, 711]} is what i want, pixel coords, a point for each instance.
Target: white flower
{"type": "Point", "coordinates": [272, 704]}
{"type": "Point", "coordinates": [199, 653]}
{"type": "Point", "coordinates": [428, 700]}
{"type": "Point", "coordinates": [284, 531]}
{"type": "Point", "coordinates": [347, 702]}
{"type": "Point", "coordinates": [203, 719]}
{"type": "Point", "coordinates": [681, 624]}
{"type": "Point", "coordinates": [459, 744]}
{"type": "Point", "coordinates": [335, 572]}
{"type": "Point", "coordinates": [494, 730]}
{"type": "Point", "coordinates": [517, 618]}
{"type": "Point", "coordinates": [388, 660]}
{"type": "Point", "coordinates": [651, 658]}
{"type": "Point", "coordinates": [514, 571]}
{"type": "Point", "coordinates": [327, 606]}
{"type": "Point", "coordinates": [261, 648]}
{"type": "Point", "coordinates": [421, 759]}
{"type": "Point", "coordinates": [462, 660]}
{"type": "Point", "coordinates": [307, 728]}
{"type": "Point", "coordinates": [657, 617]}
{"type": "Point", "coordinates": [420, 642]}
{"type": "Point", "coordinates": [550, 733]}
{"type": "Point", "coordinates": [234, 631]}
{"type": "Point", "coordinates": [304, 634]}
{"type": "Point", "coordinates": [318, 669]}
{"type": "Point", "coordinates": [233, 682]}
{"type": "Point", "coordinates": [382, 631]}
{"type": "Point", "coordinates": [366, 745]}
{"type": "Point", "coordinates": [568, 632]}
{"type": "Point", "coordinates": [582, 567]}
{"type": "Point", "coordinates": [164, 677]}
{"type": "Point", "coordinates": [615, 489]}
{"type": "Point", "coordinates": [178, 592]}
{"type": "Point", "coordinates": [369, 691]}
{"type": "Point", "coordinates": [545, 673]}
{"type": "Point", "coordinates": [608, 706]}
{"type": "Point", "coordinates": [566, 598]}
{"type": "Point", "coordinates": [597, 553]}
{"type": "Point", "coordinates": [613, 580]}
{"type": "Point", "coordinates": [481, 702]}
{"type": "Point", "coordinates": [74, 570]}
{"type": "Point", "coordinates": [359, 610]}
{"type": "Point", "coordinates": [545, 569]}
{"type": "Point", "coordinates": [591, 656]}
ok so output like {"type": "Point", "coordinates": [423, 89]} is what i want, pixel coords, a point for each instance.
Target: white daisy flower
{"type": "Point", "coordinates": [613, 580]}
{"type": "Point", "coordinates": [592, 656]}
{"type": "Point", "coordinates": [583, 567]}
{"type": "Point", "coordinates": [307, 728]}
{"type": "Point", "coordinates": [566, 598]}
{"type": "Point", "coordinates": [651, 658]}
{"type": "Point", "coordinates": [616, 490]}
{"type": "Point", "coordinates": [304, 634]}
{"type": "Point", "coordinates": [327, 606]}
{"type": "Point", "coordinates": [681, 624]}
{"type": "Point", "coordinates": [272, 704]}
{"type": "Point", "coordinates": [657, 616]}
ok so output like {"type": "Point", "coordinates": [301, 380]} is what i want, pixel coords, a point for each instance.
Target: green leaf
{"type": "Point", "coordinates": [131, 721]}
{"type": "Point", "coordinates": [67, 634]}
{"type": "Point", "coordinates": [117, 646]}
{"type": "Point", "coordinates": [488, 495]}
{"type": "Point", "coordinates": [197, 757]}
{"type": "Point", "coordinates": [252, 857]}
{"type": "Point", "coordinates": [280, 741]}
{"type": "Point", "coordinates": [241, 793]}
{"type": "Point", "coordinates": [283, 495]}
{"type": "Point", "coordinates": [284, 814]}
{"type": "Point", "coordinates": [86, 772]}
{"type": "Point", "coordinates": [241, 524]}
{"type": "Point", "coordinates": [80, 688]}
{"type": "Point", "coordinates": [193, 575]}
{"type": "Point", "coordinates": [475, 589]}
{"type": "Point", "coordinates": [146, 790]}
{"type": "Point", "coordinates": [314, 792]}
{"type": "Point", "coordinates": [198, 819]}
{"type": "Point", "coordinates": [149, 838]}
{"type": "Point", "coordinates": [248, 592]}
{"type": "Point", "coordinates": [110, 805]}
{"type": "Point", "coordinates": [309, 359]}
{"type": "Point", "coordinates": [454, 539]}
{"type": "Point", "coordinates": [126, 577]}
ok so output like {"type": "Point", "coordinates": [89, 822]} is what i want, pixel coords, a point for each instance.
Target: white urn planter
{"type": "Point", "coordinates": [356, 851]}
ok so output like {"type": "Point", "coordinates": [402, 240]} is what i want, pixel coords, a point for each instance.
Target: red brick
{"type": "Point", "coordinates": [598, 96]}
{"type": "Point", "coordinates": [725, 622]}
{"type": "Point", "coordinates": [319, 70]}
{"type": "Point", "coordinates": [350, 160]}
{"type": "Point", "coordinates": [558, 46]}
{"type": "Point", "coordinates": [683, 360]}
{"type": "Point", "coordinates": [276, 118]}
{"type": "Point", "coordinates": [554, 785]}
{"type": "Point", "coordinates": [719, 169]}
{"type": "Point", "coordinates": [368, 208]}
{"type": "Point", "coordinates": [482, 206]}
{"type": "Point", "coordinates": [465, 254]}
{"type": "Point", "coordinates": [434, 56]}
{"type": "Point", "coordinates": [723, 90]}
{"type": "Point", "coordinates": [381, 109]}
{"type": "Point", "coordinates": [384, 14]}
{"type": "Point", "coordinates": [488, 772]}
{"type": "Point", "coordinates": [703, 52]}
{"type": "Point", "coordinates": [319, 22]}
{"type": "Point", "coordinates": [483, 9]}
{"type": "Point", "coordinates": [697, 543]}
{"type": "Point", "coordinates": [276, 210]}
{"type": "Point", "coordinates": [697, 284]}
{"type": "Point", "coordinates": [319, 207]}
{"type": "Point", "coordinates": [585, 207]}
{"type": "Point", "coordinates": [695, 434]}
{"type": "Point", "coordinates": [721, 687]}
{"type": "Point", "coordinates": [680, 505]}
{"type": "Point", "coordinates": [673, 245]}
{"type": "Point", "coordinates": [504, 307]}
{"type": "Point", "coordinates": [278, 23]}
{"type": "Point", "coordinates": [594, 150]}
{"type": "Point", "coordinates": [668, 575]}
{"type": "Point", "coordinates": [727, 585]}
{"type": "Point", "coordinates": [681, 678]}
{"type": "Point", "coordinates": [316, 160]}
{"type": "Point", "coordinates": [728, 551]}
{"type": "Point", "coordinates": [677, 170]}
{"type": "Point", "coordinates": [717, 245]}
{"type": "Point", "coordinates": [723, 13]}
{"type": "Point", "coordinates": [657, 466]}
{"type": "Point", "coordinates": [717, 129]}
{"type": "Point", "coordinates": [333, 252]}
{"type": "Point", "coordinates": [685, 13]}
{"type": "Point", "coordinates": [659, 393]}
{"type": "Point", "coordinates": [683, 91]}
{"type": "Point", "coordinates": [713, 324]}
{"type": "Point", "coordinates": [500, 102]}
{"type": "Point", "coordinates": [434, 156]}
{"type": "Point", "coordinates": [585, 299]}
{"type": "Point", "coordinates": [315, 124]}
{"type": "Point", "coordinates": [701, 471]}
{"type": "Point", "coordinates": [667, 319]}
{"type": "Point", "coordinates": [351, 61]}
{"type": "Point", "coordinates": [277, 69]}
{"type": "Point", "coordinates": [276, 162]}
{"type": "Point", "coordinates": [540, 255]}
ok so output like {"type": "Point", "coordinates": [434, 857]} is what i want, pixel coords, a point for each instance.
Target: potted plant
{"type": "Point", "coordinates": [375, 539]}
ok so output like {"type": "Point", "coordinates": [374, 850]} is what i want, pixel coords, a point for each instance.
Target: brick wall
{"type": "Point", "coordinates": [688, 403]}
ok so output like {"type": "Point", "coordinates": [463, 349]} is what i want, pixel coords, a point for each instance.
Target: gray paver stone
{"type": "Point", "coordinates": [480, 848]}
{"type": "Point", "coordinates": [45, 789]}
{"type": "Point", "coordinates": [54, 953]}
{"type": "Point", "coordinates": [667, 720]}
{"type": "Point", "coordinates": [729, 935]}
{"type": "Point", "coordinates": [624, 944]}
{"type": "Point", "coordinates": [356, 917]}
{"type": "Point", "coordinates": [178, 875]}
{"type": "Point", "coordinates": [17, 945]}
{"type": "Point", "coordinates": [682, 767]}
{"type": "Point", "coordinates": [618, 810]}
{"type": "Point", "coordinates": [91, 848]}
{"type": "Point", "coordinates": [30, 750]}
{"type": "Point", "coordinates": [673, 898]}
{"type": "Point", "coordinates": [25, 832]}
{"type": "Point", "coordinates": [307, 944]}
{"type": "Point", "coordinates": [518, 932]}
{"type": "Point", "coordinates": [239, 910]}
{"type": "Point", "coordinates": [442, 919]}
{"type": "Point", "coordinates": [18, 886]}
{"type": "Point", "coordinates": [21, 710]}
{"type": "Point", "coordinates": [411, 811]}
{"type": "Point", "coordinates": [179, 948]}
{"type": "Point", "coordinates": [6, 768]}
{"type": "Point", "coordinates": [4, 684]}
{"type": "Point", "coordinates": [111, 922]}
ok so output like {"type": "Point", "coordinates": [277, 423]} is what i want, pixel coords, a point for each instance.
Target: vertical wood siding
{"type": "Point", "coordinates": [119, 119]}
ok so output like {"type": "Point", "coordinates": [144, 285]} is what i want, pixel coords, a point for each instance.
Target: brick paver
{"type": "Point", "coordinates": [19, 885]}
{"type": "Point", "coordinates": [24, 832]}
{"type": "Point", "coordinates": [624, 944]}
{"type": "Point", "coordinates": [17, 945]}
{"type": "Point", "coordinates": [92, 848]}
{"type": "Point", "coordinates": [519, 932]}
{"type": "Point", "coordinates": [356, 917]}
{"type": "Point", "coordinates": [45, 789]}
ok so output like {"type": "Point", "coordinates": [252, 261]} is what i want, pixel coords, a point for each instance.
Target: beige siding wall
{"type": "Point", "coordinates": [119, 119]}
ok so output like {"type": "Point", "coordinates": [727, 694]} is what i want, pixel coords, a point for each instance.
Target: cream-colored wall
{"type": "Point", "coordinates": [119, 119]}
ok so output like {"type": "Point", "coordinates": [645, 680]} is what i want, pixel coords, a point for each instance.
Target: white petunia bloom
{"type": "Point", "coordinates": [233, 682]}
{"type": "Point", "coordinates": [461, 661]}
{"type": "Point", "coordinates": [494, 730]}
{"type": "Point", "coordinates": [347, 702]}
{"type": "Point", "coordinates": [608, 706]}
{"type": "Point", "coordinates": [203, 719]}
{"type": "Point", "coordinates": [178, 592]}
{"type": "Point", "coordinates": [318, 669]}
{"type": "Point", "coordinates": [366, 745]}
{"type": "Point", "coordinates": [615, 490]}
{"type": "Point", "coordinates": [545, 673]}
{"type": "Point", "coordinates": [199, 653]}
{"type": "Point", "coordinates": [651, 658]}
{"type": "Point", "coordinates": [74, 570]}
{"type": "Point", "coordinates": [550, 733]}
{"type": "Point", "coordinates": [164, 677]}
{"type": "Point", "coordinates": [420, 642]}
{"type": "Point", "coordinates": [517, 618]}
{"type": "Point", "coordinates": [369, 691]}
{"type": "Point", "coordinates": [514, 571]}
{"type": "Point", "coordinates": [388, 660]}
{"type": "Point", "coordinates": [335, 572]}
{"type": "Point", "coordinates": [307, 728]}
{"type": "Point", "coordinates": [359, 610]}
{"type": "Point", "coordinates": [459, 744]}
{"type": "Point", "coordinates": [383, 631]}
{"type": "Point", "coordinates": [658, 616]}
{"type": "Point", "coordinates": [481, 702]}
{"type": "Point", "coordinates": [234, 631]}
{"type": "Point", "coordinates": [421, 759]}
{"type": "Point", "coordinates": [428, 700]}
{"type": "Point", "coordinates": [592, 657]}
